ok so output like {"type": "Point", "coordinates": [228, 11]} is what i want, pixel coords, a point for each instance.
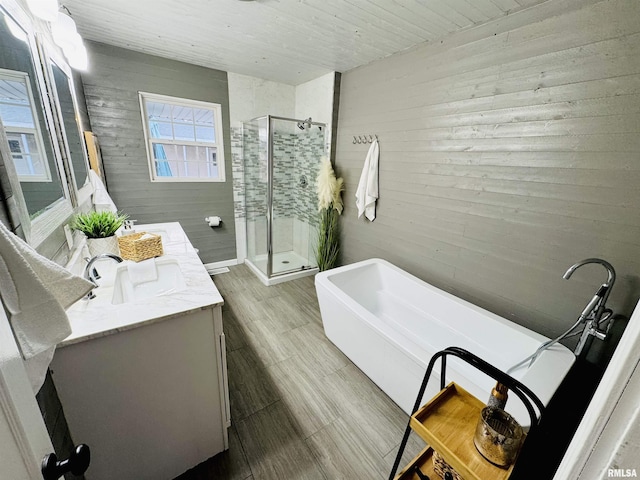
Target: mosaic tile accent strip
{"type": "Point", "coordinates": [296, 163]}
{"type": "Point", "coordinates": [237, 169]}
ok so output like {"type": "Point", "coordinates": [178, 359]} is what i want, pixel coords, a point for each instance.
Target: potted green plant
{"type": "Point", "coordinates": [330, 206]}
{"type": "Point", "coordinates": [100, 229]}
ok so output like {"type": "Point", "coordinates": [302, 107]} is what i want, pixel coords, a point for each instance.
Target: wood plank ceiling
{"type": "Point", "coordinates": [288, 41]}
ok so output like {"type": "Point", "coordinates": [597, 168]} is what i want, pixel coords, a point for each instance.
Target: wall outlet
{"type": "Point", "coordinates": [69, 235]}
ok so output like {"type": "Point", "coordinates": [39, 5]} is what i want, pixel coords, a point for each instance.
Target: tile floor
{"type": "Point", "coordinates": [300, 409]}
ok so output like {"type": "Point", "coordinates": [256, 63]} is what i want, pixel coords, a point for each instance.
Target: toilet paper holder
{"type": "Point", "coordinates": [213, 221]}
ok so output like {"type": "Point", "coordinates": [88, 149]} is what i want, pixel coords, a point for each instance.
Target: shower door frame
{"type": "Point", "coordinates": [270, 273]}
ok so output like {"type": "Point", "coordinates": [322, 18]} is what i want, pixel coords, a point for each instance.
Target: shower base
{"type": "Point", "coordinates": [286, 266]}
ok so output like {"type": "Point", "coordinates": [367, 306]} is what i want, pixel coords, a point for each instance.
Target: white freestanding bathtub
{"type": "Point", "coordinates": [390, 323]}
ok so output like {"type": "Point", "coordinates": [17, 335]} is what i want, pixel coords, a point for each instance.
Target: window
{"type": "Point", "coordinates": [21, 125]}
{"type": "Point", "coordinates": [184, 139]}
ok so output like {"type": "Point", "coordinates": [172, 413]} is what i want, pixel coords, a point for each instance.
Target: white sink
{"type": "Point", "coordinates": [169, 280]}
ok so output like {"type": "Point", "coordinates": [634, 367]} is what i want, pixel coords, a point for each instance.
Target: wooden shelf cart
{"type": "Point", "coordinates": [447, 424]}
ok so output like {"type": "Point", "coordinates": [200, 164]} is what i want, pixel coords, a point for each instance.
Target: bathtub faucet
{"type": "Point", "coordinates": [595, 312]}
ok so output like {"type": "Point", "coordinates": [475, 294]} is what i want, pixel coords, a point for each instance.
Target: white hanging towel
{"type": "Point", "coordinates": [367, 192]}
{"type": "Point", "coordinates": [101, 198]}
{"type": "Point", "coordinates": [35, 292]}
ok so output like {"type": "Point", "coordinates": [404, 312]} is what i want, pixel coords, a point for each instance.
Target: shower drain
{"type": "Point", "coordinates": [285, 261]}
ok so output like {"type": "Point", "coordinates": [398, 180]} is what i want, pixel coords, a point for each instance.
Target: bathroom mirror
{"type": "Point", "coordinates": [60, 81]}
{"type": "Point", "coordinates": [26, 119]}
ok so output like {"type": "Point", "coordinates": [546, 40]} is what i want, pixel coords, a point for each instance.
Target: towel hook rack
{"type": "Point", "coordinates": [364, 139]}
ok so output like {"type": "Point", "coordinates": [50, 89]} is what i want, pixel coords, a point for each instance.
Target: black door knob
{"type": "Point", "coordinates": [77, 463]}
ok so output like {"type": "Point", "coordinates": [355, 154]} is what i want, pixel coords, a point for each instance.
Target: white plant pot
{"type": "Point", "coordinates": [98, 246]}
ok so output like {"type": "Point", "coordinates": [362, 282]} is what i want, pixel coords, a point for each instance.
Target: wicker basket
{"type": "Point", "coordinates": [133, 247]}
{"type": "Point", "coordinates": [440, 466]}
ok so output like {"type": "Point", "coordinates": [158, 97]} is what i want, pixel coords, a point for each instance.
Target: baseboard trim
{"type": "Point", "coordinates": [224, 263]}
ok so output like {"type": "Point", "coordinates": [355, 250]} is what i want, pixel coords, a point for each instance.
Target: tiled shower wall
{"type": "Point", "coordinates": [296, 162]}
{"type": "Point", "coordinates": [310, 149]}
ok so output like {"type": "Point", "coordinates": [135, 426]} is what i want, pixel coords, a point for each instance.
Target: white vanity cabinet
{"type": "Point", "coordinates": [145, 386]}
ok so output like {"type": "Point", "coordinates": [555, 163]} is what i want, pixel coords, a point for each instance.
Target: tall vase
{"type": "Point", "coordinates": [98, 246]}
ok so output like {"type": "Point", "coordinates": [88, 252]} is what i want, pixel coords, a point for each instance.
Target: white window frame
{"type": "Point", "coordinates": [23, 77]}
{"type": "Point", "coordinates": [216, 108]}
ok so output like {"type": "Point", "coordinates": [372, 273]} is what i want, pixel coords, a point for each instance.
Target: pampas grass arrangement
{"type": "Point", "coordinates": [330, 205]}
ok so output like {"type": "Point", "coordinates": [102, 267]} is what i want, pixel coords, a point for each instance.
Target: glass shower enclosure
{"type": "Point", "coordinates": [281, 162]}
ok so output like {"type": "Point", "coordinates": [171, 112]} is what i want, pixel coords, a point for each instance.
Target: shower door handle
{"type": "Point", "coordinates": [77, 463]}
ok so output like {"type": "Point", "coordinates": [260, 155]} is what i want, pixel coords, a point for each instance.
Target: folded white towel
{"type": "Point", "coordinates": [143, 272]}
{"type": "Point", "coordinates": [367, 191]}
{"type": "Point", "coordinates": [101, 198]}
{"type": "Point", "coordinates": [35, 291]}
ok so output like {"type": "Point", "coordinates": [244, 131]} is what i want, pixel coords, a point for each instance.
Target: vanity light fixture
{"type": "Point", "coordinates": [45, 9]}
{"type": "Point", "coordinates": [66, 36]}
{"type": "Point", "coordinates": [15, 30]}
{"type": "Point", "coordinates": [77, 56]}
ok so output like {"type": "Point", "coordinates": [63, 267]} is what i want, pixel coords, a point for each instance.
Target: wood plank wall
{"type": "Point", "coordinates": [111, 89]}
{"type": "Point", "coordinates": [508, 152]}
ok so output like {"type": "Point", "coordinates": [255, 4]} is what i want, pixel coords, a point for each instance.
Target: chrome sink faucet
{"type": "Point", "coordinates": [593, 312]}
{"type": "Point", "coordinates": [91, 274]}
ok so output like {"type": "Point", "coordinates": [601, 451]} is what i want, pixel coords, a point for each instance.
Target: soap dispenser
{"type": "Point", "coordinates": [128, 227]}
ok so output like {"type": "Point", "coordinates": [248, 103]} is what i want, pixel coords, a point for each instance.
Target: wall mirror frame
{"type": "Point", "coordinates": [62, 92]}
{"type": "Point", "coordinates": [39, 222]}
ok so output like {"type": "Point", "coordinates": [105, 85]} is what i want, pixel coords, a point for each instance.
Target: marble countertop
{"type": "Point", "coordinates": [99, 317]}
